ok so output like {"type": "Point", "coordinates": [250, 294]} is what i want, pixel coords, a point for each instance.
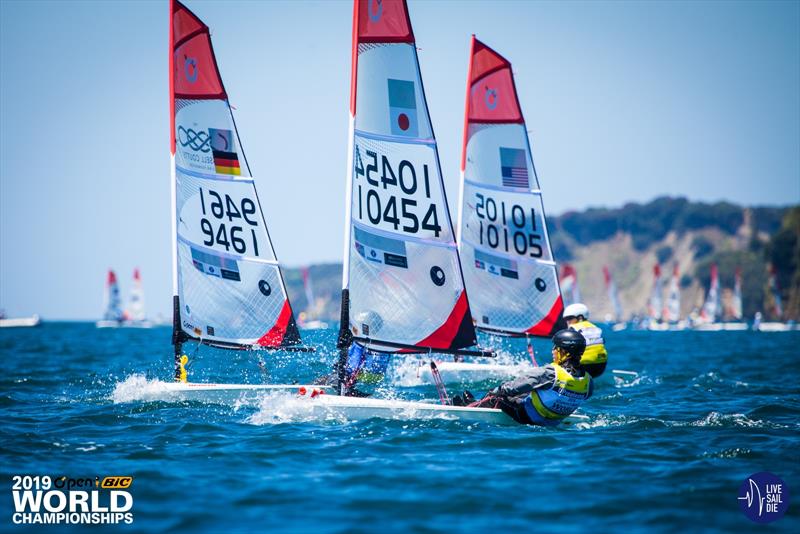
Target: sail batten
{"type": "Point", "coordinates": [402, 280]}
{"type": "Point", "coordinates": [228, 283]}
{"type": "Point", "coordinates": [507, 260]}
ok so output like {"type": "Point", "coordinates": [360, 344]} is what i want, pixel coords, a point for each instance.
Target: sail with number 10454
{"type": "Point", "coordinates": [227, 283]}
{"type": "Point", "coordinates": [402, 284]}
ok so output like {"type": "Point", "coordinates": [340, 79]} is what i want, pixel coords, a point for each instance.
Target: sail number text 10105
{"type": "Point", "coordinates": [518, 233]}
{"type": "Point", "coordinates": [393, 196]}
{"type": "Point", "coordinates": [217, 231]}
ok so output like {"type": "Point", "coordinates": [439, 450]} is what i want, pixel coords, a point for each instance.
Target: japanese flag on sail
{"type": "Point", "coordinates": [402, 108]}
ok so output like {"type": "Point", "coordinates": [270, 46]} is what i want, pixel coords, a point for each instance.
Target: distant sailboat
{"type": "Point", "coordinates": [613, 297]}
{"type": "Point", "coordinates": [134, 315]}
{"type": "Point", "coordinates": [19, 322]}
{"type": "Point", "coordinates": [113, 315]}
{"type": "Point", "coordinates": [709, 315]}
{"type": "Point", "coordinates": [308, 318]}
{"type": "Point", "coordinates": [654, 304]}
{"type": "Point", "coordinates": [569, 285]}
{"type": "Point", "coordinates": [734, 311]}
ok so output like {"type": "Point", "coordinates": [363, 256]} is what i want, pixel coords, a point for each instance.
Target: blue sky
{"type": "Point", "coordinates": [625, 101]}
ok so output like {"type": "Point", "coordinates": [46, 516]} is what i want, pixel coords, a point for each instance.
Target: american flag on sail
{"type": "Point", "coordinates": [514, 167]}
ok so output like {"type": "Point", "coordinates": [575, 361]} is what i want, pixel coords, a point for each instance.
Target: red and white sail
{"type": "Point", "coordinates": [135, 311]}
{"type": "Point", "coordinates": [711, 309]}
{"type": "Point", "coordinates": [613, 295]}
{"type": "Point", "coordinates": [654, 304]}
{"type": "Point", "coordinates": [401, 267]}
{"type": "Point", "coordinates": [736, 300]}
{"type": "Point", "coordinates": [226, 275]}
{"type": "Point", "coordinates": [505, 249]}
{"type": "Point", "coordinates": [113, 311]}
{"type": "Point", "coordinates": [672, 309]}
{"type": "Point", "coordinates": [569, 284]}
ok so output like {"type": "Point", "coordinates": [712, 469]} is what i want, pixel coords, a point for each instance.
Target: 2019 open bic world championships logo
{"type": "Point", "coordinates": [45, 500]}
{"type": "Point", "coordinates": [764, 497]}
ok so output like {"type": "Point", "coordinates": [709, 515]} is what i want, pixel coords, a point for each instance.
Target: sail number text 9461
{"type": "Point", "coordinates": [222, 207]}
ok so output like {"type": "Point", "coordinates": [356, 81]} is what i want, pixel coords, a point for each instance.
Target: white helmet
{"type": "Point", "coordinates": [574, 310]}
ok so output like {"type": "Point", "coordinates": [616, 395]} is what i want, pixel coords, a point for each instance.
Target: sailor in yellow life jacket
{"type": "Point", "coordinates": [595, 357]}
{"type": "Point", "coordinates": [548, 394]}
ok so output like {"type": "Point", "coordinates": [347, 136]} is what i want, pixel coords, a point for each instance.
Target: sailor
{"type": "Point", "coordinates": [595, 357]}
{"type": "Point", "coordinates": [546, 395]}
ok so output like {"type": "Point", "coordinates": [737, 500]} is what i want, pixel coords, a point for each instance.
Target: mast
{"type": "Point", "coordinates": [503, 240]}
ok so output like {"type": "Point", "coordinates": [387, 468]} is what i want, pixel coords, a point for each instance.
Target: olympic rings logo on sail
{"type": "Point", "coordinates": [490, 97]}
{"type": "Point", "coordinates": [375, 17]}
{"type": "Point", "coordinates": [195, 140]}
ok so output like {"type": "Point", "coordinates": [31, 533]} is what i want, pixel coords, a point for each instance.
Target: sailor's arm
{"type": "Point", "coordinates": [535, 379]}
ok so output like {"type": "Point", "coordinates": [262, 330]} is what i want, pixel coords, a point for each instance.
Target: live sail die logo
{"type": "Point", "coordinates": [763, 497]}
{"type": "Point", "coordinates": [63, 500]}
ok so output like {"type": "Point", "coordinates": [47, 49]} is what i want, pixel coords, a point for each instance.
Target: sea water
{"type": "Point", "coordinates": [664, 450]}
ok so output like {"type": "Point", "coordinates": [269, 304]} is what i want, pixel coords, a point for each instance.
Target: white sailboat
{"type": "Point", "coordinates": [19, 322]}
{"type": "Point", "coordinates": [134, 315]}
{"type": "Point", "coordinates": [228, 289]}
{"type": "Point", "coordinates": [654, 304]}
{"type": "Point", "coordinates": [613, 297]}
{"type": "Point", "coordinates": [113, 315]}
{"type": "Point", "coordinates": [734, 311]}
{"type": "Point", "coordinates": [569, 285]}
{"type": "Point", "coordinates": [708, 320]}
{"type": "Point", "coordinates": [671, 314]}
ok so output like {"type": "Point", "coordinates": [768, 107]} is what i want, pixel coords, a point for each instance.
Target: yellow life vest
{"type": "Point", "coordinates": [551, 406]}
{"type": "Point", "coordinates": [595, 349]}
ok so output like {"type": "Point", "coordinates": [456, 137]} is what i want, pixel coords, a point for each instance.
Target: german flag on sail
{"type": "Point", "coordinates": [226, 161]}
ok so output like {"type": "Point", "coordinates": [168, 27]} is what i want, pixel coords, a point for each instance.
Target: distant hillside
{"type": "Point", "coordinates": [630, 240]}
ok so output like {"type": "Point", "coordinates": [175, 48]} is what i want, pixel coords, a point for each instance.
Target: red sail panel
{"type": "Point", "coordinates": [383, 21]}
{"type": "Point", "coordinates": [493, 96]}
{"type": "Point", "coordinates": [546, 327]}
{"type": "Point", "coordinates": [491, 93]}
{"type": "Point", "coordinates": [194, 73]}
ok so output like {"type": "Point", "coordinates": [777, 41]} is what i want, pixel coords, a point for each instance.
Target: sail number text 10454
{"type": "Point", "coordinates": [394, 195]}
{"type": "Point", "coordinates": [224, 222]}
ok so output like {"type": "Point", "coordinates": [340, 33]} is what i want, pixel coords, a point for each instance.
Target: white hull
{"type": "Point", "coordinates": [142, 390]}
{"type": "Point", "coordinates": [708, 327]}
{"type": "Point", "coordinates": [306, 403]}
{"type": "Point", "coordinates": [20, 322]}
{"type": "Point", "coordinates": [359, 408]}
{"type": "Point", "coordinates": [735, 327]}
{"type": "Point", "coordinates": [774, 327]}
{"type": "Point", "coordinates": [123, 324]}
{"type": "Point", "coordinates": [619, 327]}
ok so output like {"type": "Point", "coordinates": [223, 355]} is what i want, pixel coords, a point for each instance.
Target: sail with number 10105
{"type": "Point", "coordinates": [508, 263]}
{"type": "Point", "coordinates": [402, 284]}
{"type": "Point", "coordinates": [227, 283]}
